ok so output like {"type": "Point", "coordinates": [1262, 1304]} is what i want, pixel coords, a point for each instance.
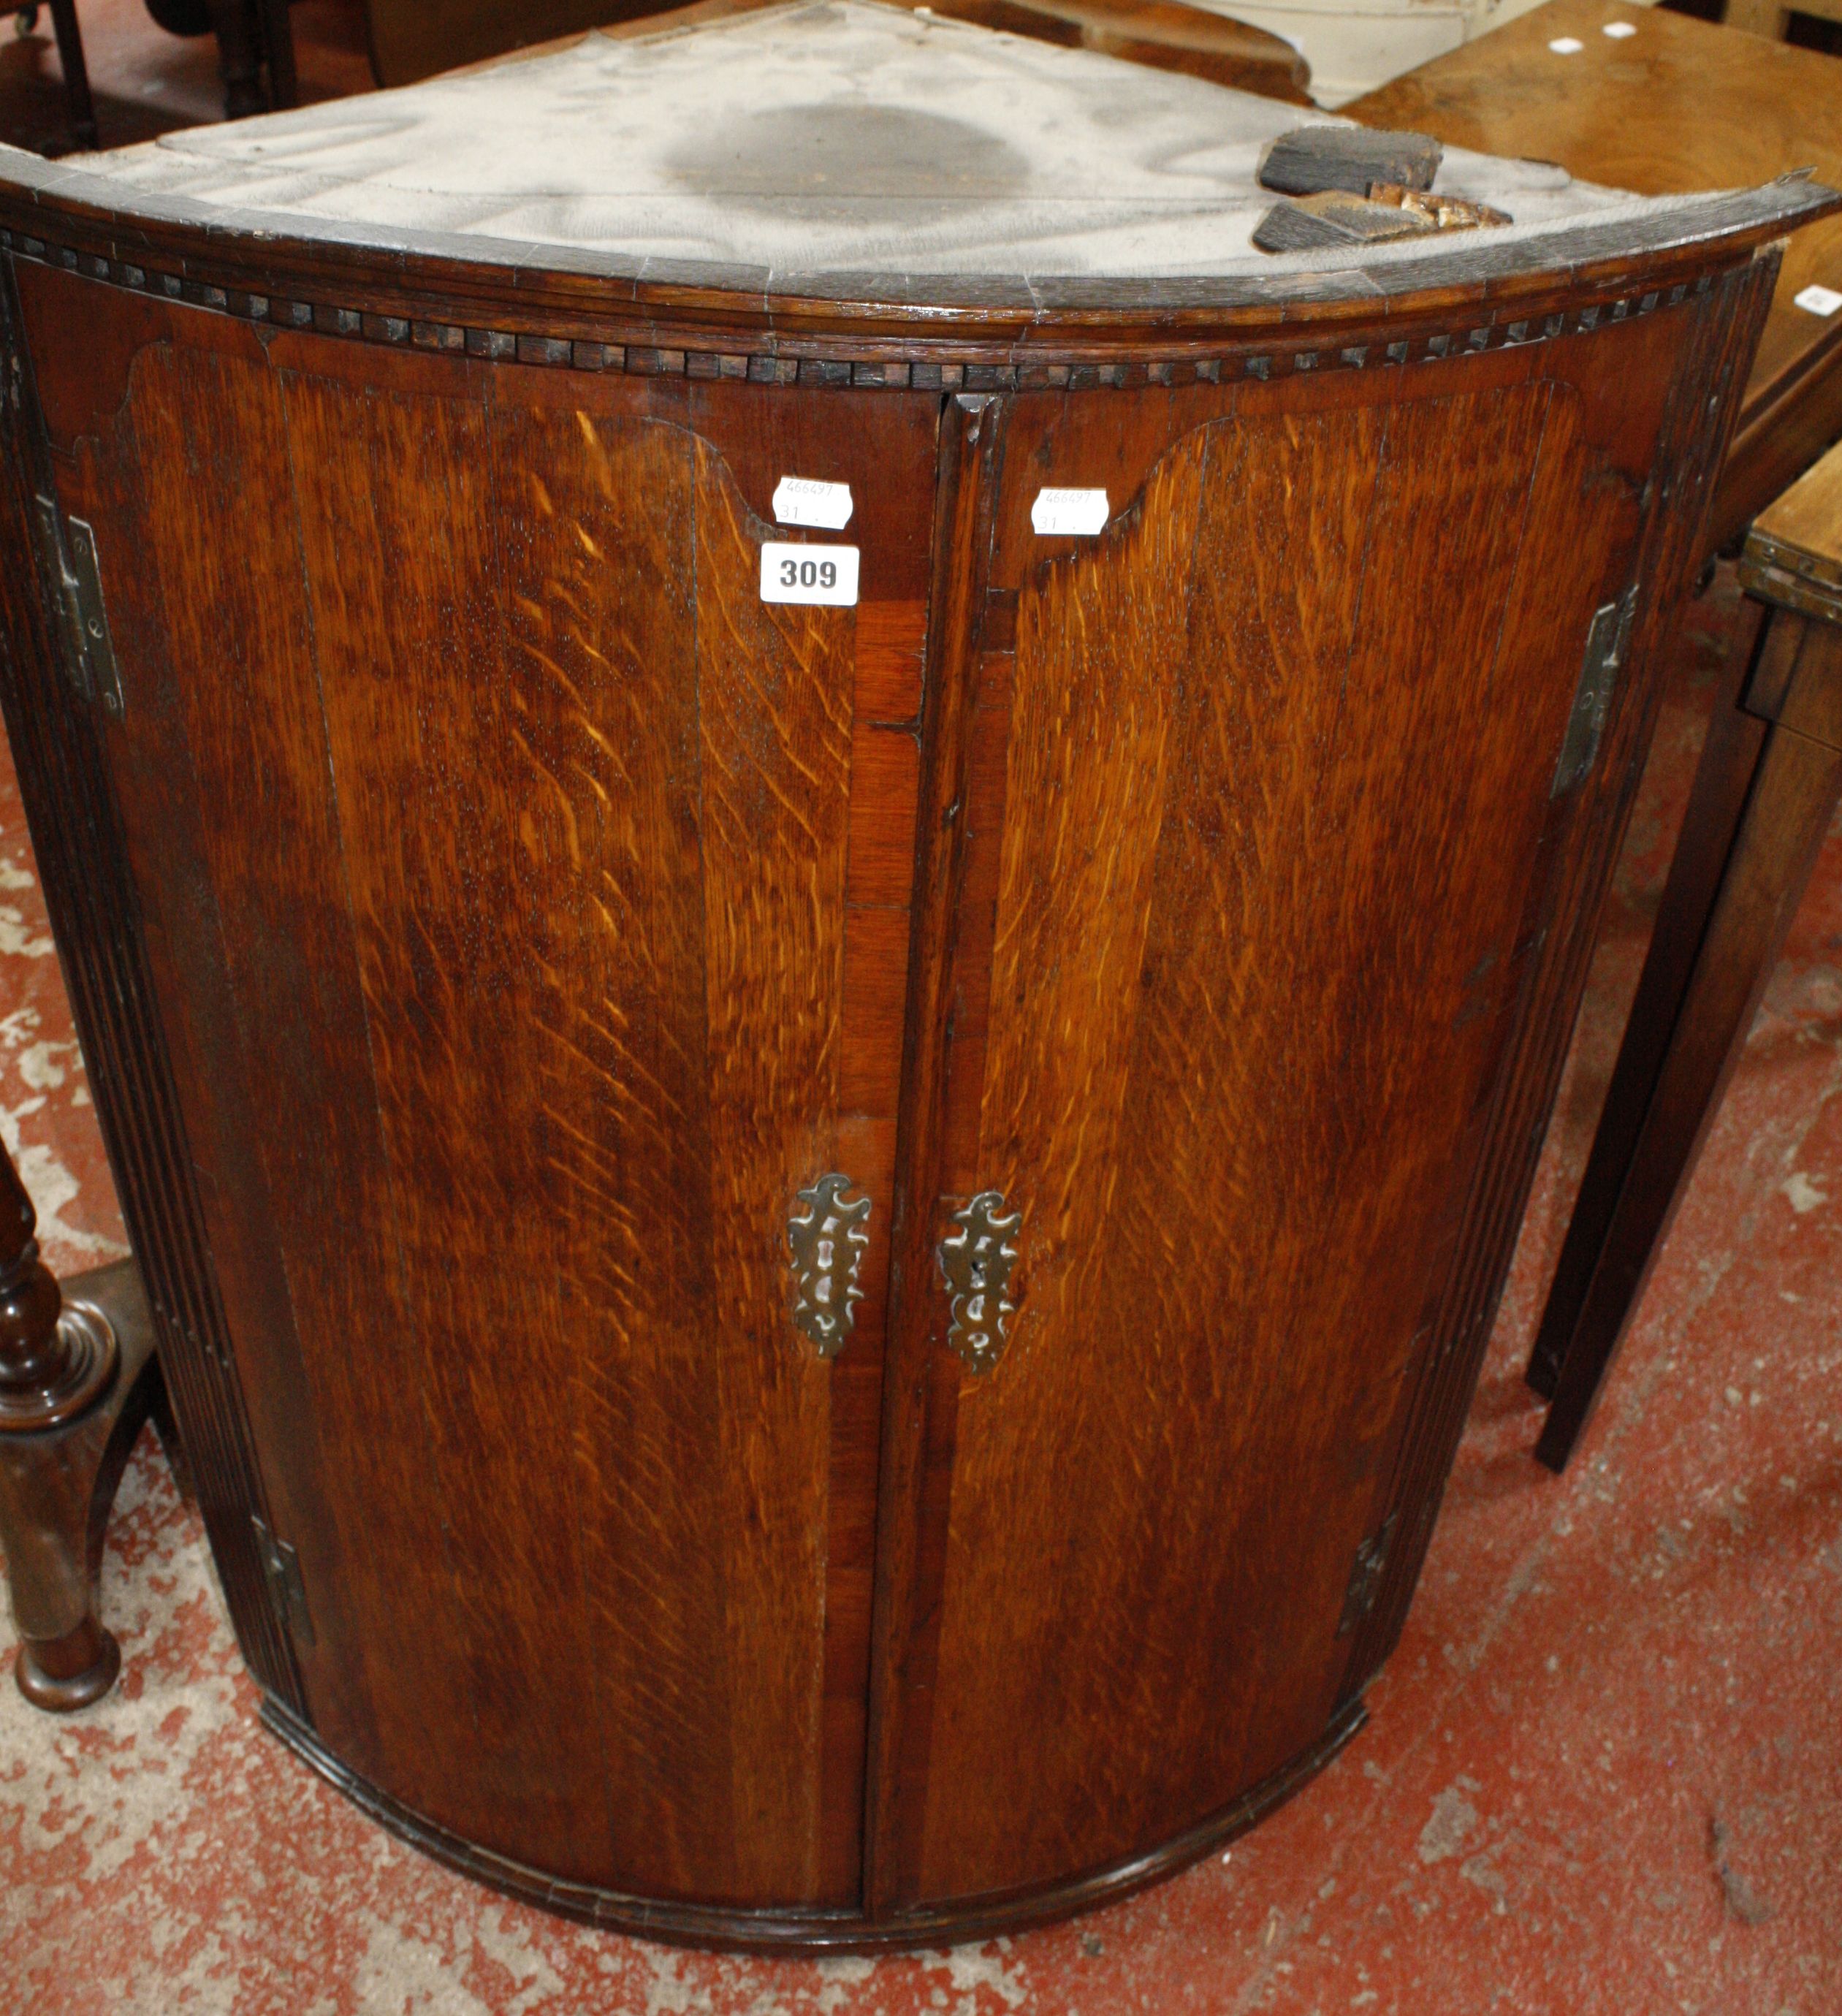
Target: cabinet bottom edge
{"type": "Point", "coordinates": [795, 1931]}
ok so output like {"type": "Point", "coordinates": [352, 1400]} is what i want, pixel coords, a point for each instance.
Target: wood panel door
{"type": "Point", "coordinates": [530, 899]}
{"type": "Point", "coordinates": [1258, 788]}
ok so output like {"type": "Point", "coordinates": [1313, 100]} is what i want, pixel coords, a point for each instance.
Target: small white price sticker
{"type": "Point", "coordinates": [803, 500]}
{"type": "Point", "coordinates": [826, 574]}
{"type": "Point", "coordinates": [1819, 300]}
{"type": "Point", "coordinates": [1078, 511]}
{"type": "Point", "coordinates": [1566, 46]}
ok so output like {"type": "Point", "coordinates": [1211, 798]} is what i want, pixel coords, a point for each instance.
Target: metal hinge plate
{"type": "Point", "coordinates": [69, 545]}
{"type": "Point", "coordinates": [1606, 638]}
{"type": "Point", "coordinates": [281, 1568]}
{"type": "Point", "coordinates": [1365, 1576]}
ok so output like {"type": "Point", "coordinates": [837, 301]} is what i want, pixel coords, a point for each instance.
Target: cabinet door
{"type": "Point", "coordinates": [1257, 793]}
{"type": "Point", "coordinates": [529, 897]}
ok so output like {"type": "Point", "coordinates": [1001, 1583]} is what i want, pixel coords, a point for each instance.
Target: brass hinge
{"type": "Point", "coordinates": [281, 1569]}
{"type": "Point", "coordinates": [69, 549]}
{"type": "Point", "coordinates": [1365, 1574]}
{"type": "Point", "coordinates": [1606, 638]}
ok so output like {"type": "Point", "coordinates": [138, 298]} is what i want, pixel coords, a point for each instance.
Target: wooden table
{"type": "Point", "coordinates": [1680, 105]}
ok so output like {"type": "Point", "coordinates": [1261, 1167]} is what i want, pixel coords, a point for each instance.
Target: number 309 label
{"type": "Point", "coordinates": [805, 573]}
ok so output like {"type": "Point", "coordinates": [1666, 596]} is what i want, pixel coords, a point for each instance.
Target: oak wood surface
{"type": "Point", "coordinates": [1680, 105]}
{"type": "Point", "coordinates": [1185, 861]}
{"type": "Point", "coordinates": [504, 1115]}
{"type": "Point", "coordinates": [1805, 524]}
{"type": "Point", "coordinates": [530, 911]}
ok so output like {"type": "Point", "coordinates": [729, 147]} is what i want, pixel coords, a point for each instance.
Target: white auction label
{"type": "Point", "coordinates": [803, 500]}
{"type": "Point", "coordinates": [1619, 30]}
{"type": "Point", "coordinates": [1079, 511]}
{"type": "Point", "coordinates": [826, 574]}
{"type": "Point", "coordinates": [1566, 46]}
{"type": "Point", "coordinates": [1819, 300]}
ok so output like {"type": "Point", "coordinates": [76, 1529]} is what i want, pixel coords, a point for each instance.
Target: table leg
{"type": "Point", "coordinates": [69, 39]}
{"type": "Point", "coordinates": [77, 1380]}
{"type": "Point", "coordinates": [1762, 802]}
{"type": "Point", "coordinates": [233, 22]}
{"type": "Point", "coordinates": [1716, 799]}
{"type": "Point", "coordinates": [278, 38]}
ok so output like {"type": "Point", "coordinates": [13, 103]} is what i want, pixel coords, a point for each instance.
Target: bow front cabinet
{"type": "Point", "coordinates": [821, 1258]}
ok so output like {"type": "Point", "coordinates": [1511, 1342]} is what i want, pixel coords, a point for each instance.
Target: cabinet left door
{"type": "Point", "coordinates": [526, 903]}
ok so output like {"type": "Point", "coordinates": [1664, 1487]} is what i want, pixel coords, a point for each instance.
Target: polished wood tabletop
{"type": "Point", "coordinates": [1678, 105]}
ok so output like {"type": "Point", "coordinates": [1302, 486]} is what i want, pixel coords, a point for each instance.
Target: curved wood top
{"type": "Point", "coordinates": [412, 39]}
{"type": "Point", "coordinates": [1678, 104]}
{"type": "Point", "coordinates": [832, 171]}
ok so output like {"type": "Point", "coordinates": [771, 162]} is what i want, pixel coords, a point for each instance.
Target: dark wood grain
{"type": "Point", "coordinates": [919, 1390]}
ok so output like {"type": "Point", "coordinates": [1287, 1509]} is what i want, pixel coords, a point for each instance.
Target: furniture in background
{"type": "Point", "coordinates": [1678, 104]}
{"type": "Point", "coordinates": [77, 1380]}
{"type": "Point", "coordinates": [412, 39]}
{"type": "Point", "coordinates": [821, 980]}
{"type": "Point", "coordinates": [255, 49]}
{"type": "Point", "coordinates": [69, 37]}
{"type": "Point", "coordinates": [1764, 794]}
{"type": "Point", "coordinates": [1773, 18]}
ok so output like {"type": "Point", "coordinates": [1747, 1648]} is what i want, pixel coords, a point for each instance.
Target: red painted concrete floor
{"type": "Point", "coordinates": [1604, 1773]}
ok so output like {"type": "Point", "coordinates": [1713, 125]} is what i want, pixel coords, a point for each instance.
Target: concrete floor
{"type": "Point", "coordinates": [1604, 1774]}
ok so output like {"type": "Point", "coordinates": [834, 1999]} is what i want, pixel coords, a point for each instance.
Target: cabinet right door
{"type": "Point", "coordinates": [1258, 799]}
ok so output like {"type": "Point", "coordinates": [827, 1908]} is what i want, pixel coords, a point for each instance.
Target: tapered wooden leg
{"type": "Point", "coordinates": [1762, 804]}
{"type": "Point", "coordinates": [77, 1377]}
{"type": "Point", "coordinates": [278, 42]}
{"type": "Point", "coordinates": [1717, 801]}
{"type": "Point", "coordinates": [83, 109]}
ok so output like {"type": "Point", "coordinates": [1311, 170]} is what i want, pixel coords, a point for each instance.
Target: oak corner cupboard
{"type": "Point", "coordinates": [824, 874]}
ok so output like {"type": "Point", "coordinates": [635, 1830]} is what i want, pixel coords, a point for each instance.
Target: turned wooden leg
{"type": "Point", "coordinates": [83, 110]}
{"type": "Point", "coordinates": [234, 23]}
{"type": "Point", "coordinates": [77, 1376]}
{"type": "Point", "coordinates": [1767, 789]}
